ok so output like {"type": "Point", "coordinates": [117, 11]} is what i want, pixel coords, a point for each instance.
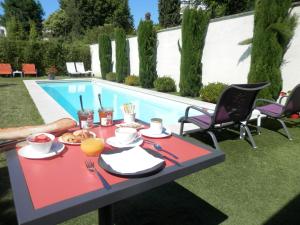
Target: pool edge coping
{"type": "Point", "coordinates": [42, 99]}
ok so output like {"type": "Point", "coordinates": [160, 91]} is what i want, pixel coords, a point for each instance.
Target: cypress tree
{"type": "Point", "coordinates": [105, 54]}
{"type": "Point", "coordinates": [194, 29]}
{"type": "Point", "coordinates": [147, 43]}
{"type": "Point", "coordinates": [169, 13]}
{"type": "Point", "coordinates": [273, 30]}
{"type": "Point", "coordinates": [121, 55]}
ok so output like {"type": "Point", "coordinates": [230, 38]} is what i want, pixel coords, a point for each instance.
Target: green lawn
{"type": "Point", "coordinates": [251, 187]}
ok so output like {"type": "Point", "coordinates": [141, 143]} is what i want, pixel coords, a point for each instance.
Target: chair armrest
{"type": "Point", "coordinates": [266, 100]}
{"type": "Point", "coordinates": [280, 99]}
{"type": "Point", "coordinates": [195, 108]}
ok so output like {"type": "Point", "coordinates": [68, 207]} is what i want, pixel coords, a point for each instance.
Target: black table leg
{"type": "Point", "coordinates": [105, 215]}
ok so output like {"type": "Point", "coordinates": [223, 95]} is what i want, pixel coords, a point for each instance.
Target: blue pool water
{"type": "Point", "coordinates": [147, 106]}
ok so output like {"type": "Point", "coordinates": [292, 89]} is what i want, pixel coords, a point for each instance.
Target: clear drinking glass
{"type": "Point", "coordinates": [106, 116]}
{"type": "Point", "coordinates": [86, 119]}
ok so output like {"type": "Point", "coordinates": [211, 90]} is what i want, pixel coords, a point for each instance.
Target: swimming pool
{"type": "Point", "coordinates": [66, 94]}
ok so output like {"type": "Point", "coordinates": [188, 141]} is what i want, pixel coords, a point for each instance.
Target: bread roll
{"type": "Point", "coordinates": [22, 132]}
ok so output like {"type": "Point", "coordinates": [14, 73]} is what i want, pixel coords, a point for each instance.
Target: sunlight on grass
{"type": "Point", "coordinates": [250, 187]}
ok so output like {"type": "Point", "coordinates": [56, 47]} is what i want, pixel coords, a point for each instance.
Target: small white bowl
{"type": "Point", "coordinates": [41, 147]}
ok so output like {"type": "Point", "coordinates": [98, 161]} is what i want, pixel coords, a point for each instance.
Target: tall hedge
{"type": "Point", "coordinates": [194, 29]}
{"type": "Point", "coordinates": [147, 44]}
{"type": "Point", "coordinates": [273, 30]}
{"type": "Point", "coordinates": [43, 54]}
{"type": "Point", "coordinates": [122, 64]}
{"type": "Point", "coordinates": [105, 54]}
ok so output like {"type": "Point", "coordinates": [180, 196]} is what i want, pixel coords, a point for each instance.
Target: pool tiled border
{"type": "Point", "coordinates": [50, 110]}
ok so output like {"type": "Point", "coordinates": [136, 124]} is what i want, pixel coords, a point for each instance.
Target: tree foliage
{"type": "Point", "coordinates": [273, 29]}
{"type": "Point", "coordinates": [56, 25]}
{"type": "Point", "coordinates": [24, 12]}
{"type": "Point", "coordinates": [225, 7]}
{"type": "Point", "coordinates": [105, 54]}
{"type": "Point", "coordinates": [194, 29]}
{"type": "Point", "coordinates": [14, 29]}
{"type": "Point", "coordinates": [147, 45]}
{"type": "Point", "coordinates": [86, 14]}
{"type": "Point", "coordinates": [169, 13]}
{"type": "Point", "coordinates": [122, 64]}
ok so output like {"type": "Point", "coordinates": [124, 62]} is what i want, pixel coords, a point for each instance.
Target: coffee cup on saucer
{"type": "Point", "coordinates": [156, 126]}
{"type": "Point", "coordinates": [126, 135]}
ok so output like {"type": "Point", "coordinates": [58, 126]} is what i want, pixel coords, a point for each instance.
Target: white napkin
{"type": "Point", "coordinates": [131, 161]}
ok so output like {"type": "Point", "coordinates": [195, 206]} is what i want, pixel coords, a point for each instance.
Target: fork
{"type": "Point", "coordinates": [158, 147]}
{"type": "Point", "coordinates": [91, 167]}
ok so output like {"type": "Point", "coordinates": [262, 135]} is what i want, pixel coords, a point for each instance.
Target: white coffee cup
{"type": "Point", "coordinates": [129, 117]}
{"type": "Point", "coordinates": [156, 126]}
{"type": "Point", "coordinates": [125, 135]}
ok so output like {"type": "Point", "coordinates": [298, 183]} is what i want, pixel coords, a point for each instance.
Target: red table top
{"type": "Point", "coordinates": [65, 176]}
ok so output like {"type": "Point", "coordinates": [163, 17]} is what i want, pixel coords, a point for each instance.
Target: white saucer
{"type": "Point", "coordinates": [132, 125]}
{"type": "Point", "coordinates": [148, 133]}
{"type": "Point", "coordinates": [29, 153]}
{"type": "Point", "coordinates": [112, 141]}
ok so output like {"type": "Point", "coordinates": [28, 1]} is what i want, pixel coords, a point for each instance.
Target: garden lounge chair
{"type": "Point", "coordinates": [80, 69]}
{"type": "Point", "coordinates": [29, 69]}
{"type": "Point", "coordinates": [278, 111]}
{"type": "Point", "coordinates": [71, 68]}
{"type": "Point", "coordinates": [5, 69]}
{"type": "Point", "coordinates": [234, 107]}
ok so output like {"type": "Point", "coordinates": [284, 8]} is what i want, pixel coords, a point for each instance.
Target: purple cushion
{"type": "Point", "coordinates": [273, 110]}
{"type": "Point", "coordinates": [203, 121]}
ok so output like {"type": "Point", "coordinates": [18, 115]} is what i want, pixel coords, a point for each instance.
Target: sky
{"type": "Point", "coordinates": [138, 9]}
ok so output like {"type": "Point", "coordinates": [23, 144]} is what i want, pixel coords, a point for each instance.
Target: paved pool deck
{"type": "Point", "coordinates": [50, 110]}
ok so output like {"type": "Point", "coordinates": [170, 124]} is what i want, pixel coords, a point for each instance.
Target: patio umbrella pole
{"type": "Point", "coordinates": [105, 215]}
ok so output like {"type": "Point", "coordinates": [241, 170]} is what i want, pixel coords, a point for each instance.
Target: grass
{"type": "Point", "coordinates": [251, 187]}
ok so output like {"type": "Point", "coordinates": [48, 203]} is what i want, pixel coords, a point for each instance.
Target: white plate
{"type": "Point", "coordinates": [131, 125]}
{"type": "Point", "coordinates": [72, 143]}
{"type": "Point", "coordinates": [148, 133]}
{"type": "Point", "coordinates": [29, 153]}
{"type": "Point", "coordinates": [113, 141]}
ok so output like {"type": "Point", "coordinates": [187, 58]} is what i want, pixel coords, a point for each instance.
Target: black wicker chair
{"type": "Point", "coordinates": [234, 106]}
{"type": "Point", "coordinates": [278, 111]}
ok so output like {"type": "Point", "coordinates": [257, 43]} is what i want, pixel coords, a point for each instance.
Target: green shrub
{"type": "Point", "coordinates": [12, 52]}
{"type": "Point", "coordinates": [273, 29]}
{"type": "Point", "coordinates": [111, 76]}
{"type": "Point", "coordinates": [77, 52]}
{"type": "Point", "coordinates": [194, 29]}
{"type": "Point", "coordinates": [132, 80]}
{"type": "Point", "coordinates": [212, 92]}
{"type": "Point", "coordinates": [44, 54]}
{"type": "Point", "coordinates": [165, 84]}
{"type": "Point", "coordinates": [122, 65]}
{"type": "Point", "coordinates": [147, 41]}
{"type": "Point", "coordinates": [55, 54]}
{"type": "Point", "coordinates": [105, 53]}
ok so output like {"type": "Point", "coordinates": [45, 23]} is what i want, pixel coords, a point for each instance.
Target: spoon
{"type": "Point", "coordinates": [158, 147]}
{"type": "Point", "coordinates": [81, 104]}
{"type": "Point", "coordinates": [99, 97]}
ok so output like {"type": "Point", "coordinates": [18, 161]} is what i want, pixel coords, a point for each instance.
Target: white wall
{"type": "Point", "coordinates": [134, 56]}
{"type": "Point", "coordinates": [221, 55]}
{"type": "Point", "coordinates": [95, 62]}
{"type": "Point", "coordinates": [290, 69]}
{"type": "Point", "coordinates": [168, 55]}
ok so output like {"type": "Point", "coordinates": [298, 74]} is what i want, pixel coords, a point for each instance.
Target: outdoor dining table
{"type": "Point", "coordinates": [53, 190]}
